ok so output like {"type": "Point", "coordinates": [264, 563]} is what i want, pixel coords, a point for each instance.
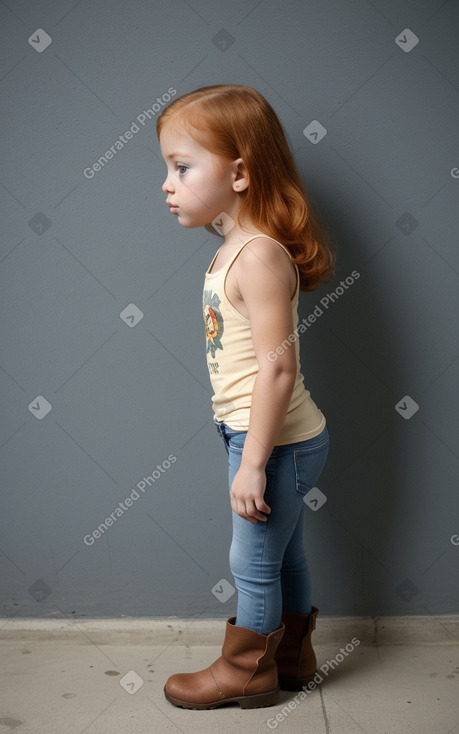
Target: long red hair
{"type": "Point", "coordinates": [234, 121]}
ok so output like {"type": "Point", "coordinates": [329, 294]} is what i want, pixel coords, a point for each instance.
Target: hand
{"type": "Point", "coordinates": [247, 492]}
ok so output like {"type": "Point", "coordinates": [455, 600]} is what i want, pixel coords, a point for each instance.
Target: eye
{"type": "Point", "coordinates": [180, 169]}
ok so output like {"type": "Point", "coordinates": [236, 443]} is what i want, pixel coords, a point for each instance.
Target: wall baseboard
{"type": "Point", "coordinates": [406, 630]}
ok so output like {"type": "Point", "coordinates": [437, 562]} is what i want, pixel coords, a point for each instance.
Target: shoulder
{"type": "Point", "coordinates": [263, 251]}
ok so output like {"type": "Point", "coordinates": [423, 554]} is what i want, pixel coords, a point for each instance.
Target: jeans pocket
{"type": "Point", "coordinates": [236, 440]}
{"type": "Point", "coordinates": [309, 463]}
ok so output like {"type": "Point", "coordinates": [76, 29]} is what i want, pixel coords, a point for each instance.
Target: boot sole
{"type": "Point", "coordinates": [295, 684]}
{"type": "Point", "coordinates": [258, 700]}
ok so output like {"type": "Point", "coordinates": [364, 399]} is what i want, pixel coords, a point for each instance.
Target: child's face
{"type": "Point", "coordinates": [194, 184]}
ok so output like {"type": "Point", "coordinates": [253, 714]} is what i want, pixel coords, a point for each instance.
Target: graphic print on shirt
{"type": "Point", "coordinates": [213, 322]}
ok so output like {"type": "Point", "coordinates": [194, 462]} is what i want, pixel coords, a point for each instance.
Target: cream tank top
{"type": "Point", "coordinates": [233, 365]}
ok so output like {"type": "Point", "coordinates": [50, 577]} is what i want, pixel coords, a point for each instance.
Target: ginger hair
{"type": "Point", "coordinates": [234, 121]}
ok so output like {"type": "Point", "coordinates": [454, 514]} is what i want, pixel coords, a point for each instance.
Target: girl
{"type": "Point", "coordinates": [229, 165]}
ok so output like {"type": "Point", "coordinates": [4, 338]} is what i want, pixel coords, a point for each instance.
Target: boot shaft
{"type": "Point", "coordinates": [295, 657]}
{"type": "Point", "coordinates": [251, 657]}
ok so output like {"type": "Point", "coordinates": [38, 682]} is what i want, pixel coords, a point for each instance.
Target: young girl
{"type": "Point", "coordinates": [229, 164]}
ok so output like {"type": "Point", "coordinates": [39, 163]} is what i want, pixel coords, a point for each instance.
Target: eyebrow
{"type": "Point", "coordinates": [178, 155]}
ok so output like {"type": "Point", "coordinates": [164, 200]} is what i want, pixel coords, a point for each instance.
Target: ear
{"type": "Point", "coordinates": [240, 175]}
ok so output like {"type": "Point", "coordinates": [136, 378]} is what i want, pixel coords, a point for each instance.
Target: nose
{"type": "Point", "coordinates": [167, 186]}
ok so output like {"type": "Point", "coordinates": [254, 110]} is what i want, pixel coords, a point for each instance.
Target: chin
{"type": "Point", "coordinates": [188, 224]}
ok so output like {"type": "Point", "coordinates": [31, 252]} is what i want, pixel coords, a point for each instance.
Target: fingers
{"type": "Point", "coordinates": [251, 511]}
{"type": "Point", "coordinates": [263, 507]}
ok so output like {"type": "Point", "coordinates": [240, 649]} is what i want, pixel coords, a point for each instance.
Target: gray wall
{"type": "Point", "coordinates": [125, 394]}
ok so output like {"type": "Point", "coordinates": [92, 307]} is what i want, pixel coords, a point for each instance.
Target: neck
{"type": "Point", "coordinates": [240, 233]}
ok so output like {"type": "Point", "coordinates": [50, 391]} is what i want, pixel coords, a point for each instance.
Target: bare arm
{"type": "Point", "coordinates": [264, 278]}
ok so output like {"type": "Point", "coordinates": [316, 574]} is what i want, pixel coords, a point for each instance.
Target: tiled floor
{"type": "Point", "coordinates": [58, 681]}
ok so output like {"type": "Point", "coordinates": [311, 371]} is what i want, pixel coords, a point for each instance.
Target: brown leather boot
{"type": "Point", "coordinates": [245, 673]}
{"type": "Point", "coordinates": [296, 660]}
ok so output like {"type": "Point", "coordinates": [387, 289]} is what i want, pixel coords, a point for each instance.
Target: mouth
{"type": "Point", "coordinates": [173, 209]}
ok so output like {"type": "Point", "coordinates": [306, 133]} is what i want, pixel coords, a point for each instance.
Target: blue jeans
{"type": "Point", "coordinates": [267, 559]}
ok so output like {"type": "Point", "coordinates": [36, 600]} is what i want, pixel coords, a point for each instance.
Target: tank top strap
{"type": "Point", "coordinates": [222, 272]}
{"type": "Point", "coordinates": [236, 254]}
{"type": "Point", "coordinates": [208, 272]}
{"type": "Point", "coordinates": [276, 241]}
{"type": "Point", "coordinates": [239, 250]}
